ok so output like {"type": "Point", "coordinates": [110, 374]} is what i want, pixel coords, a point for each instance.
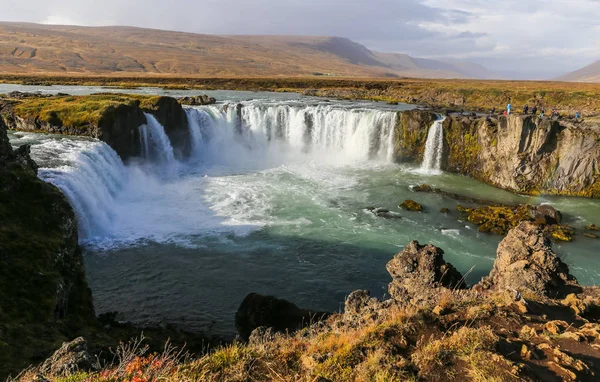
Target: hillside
{"type": "Point", "coordinates": [590, 73]}
{"type": "Point", "coordinates": [74, 50]}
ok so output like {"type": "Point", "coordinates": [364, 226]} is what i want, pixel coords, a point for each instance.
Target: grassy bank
{"type": "Point", "coordinates": [76, 111]}
{"type": "Point", "coordinates": [462, 338]}
{"type": "Point", "coordinates": [462, 94]}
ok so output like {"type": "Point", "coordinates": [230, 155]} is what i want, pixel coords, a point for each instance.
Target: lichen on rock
{"type": "Point", "coordinates": [525, 262]}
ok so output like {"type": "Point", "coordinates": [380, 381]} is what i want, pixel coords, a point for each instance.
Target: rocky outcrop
{"type": "Point", "coordinates": [525, 262]}
{"type": "Point", "coordinates": [525, 154]}
{"type": "Point", "coordinates": [410, 134]}
{"type": "Point", "coordinates": [43, 292]}
{"type": "Point", "coordinates": [171, 115]}
{"type": "Point", "coordinates": [118, 124]}
{"type": "Point", "coordinates": [420, 273]}
{"type": "Point", "coordinates": [118, 127]}
{"type": "Point", "coordinates": [70, 358]}
{"type": "Point", "coordinates": [197, 100]}
{"type": "Point", "coordinates": [270, 312]}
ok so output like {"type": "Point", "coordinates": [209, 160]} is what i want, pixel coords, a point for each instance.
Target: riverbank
{"type": "Point", "coordinates": [475, 95]}
{"type": "Point", "coordinates": [529, 320]}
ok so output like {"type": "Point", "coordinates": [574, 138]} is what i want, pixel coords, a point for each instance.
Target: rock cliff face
{"type": "Point", "coordinates": [410, 134]}
{"type": "Point", "coordinates": [519, 153]}
{"type": "Point", "coordinates": [526, 155]}
{"type": "Point", "coordinates": [117, 125]}
{"type": "Point", "coordinates": [44, 297]}
{"type": "Point", "coordinates": [171, 115]}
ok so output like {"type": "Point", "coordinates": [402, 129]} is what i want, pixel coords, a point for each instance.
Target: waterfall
{"type": "Point", "coordinates": [326, 130]}
{"type": "Point", "coordinates": [154, 142]}
{"type": "Point", "coordinates": [434, 148]}
{"type": "Point", "coordinates": [91, 176]}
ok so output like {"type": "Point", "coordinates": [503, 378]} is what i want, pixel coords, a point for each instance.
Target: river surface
{"type": "Point", "coordinates": [274, 203]}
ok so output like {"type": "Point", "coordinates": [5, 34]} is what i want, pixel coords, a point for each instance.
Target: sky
{"type": "Point", "coordinates": [522, 39]}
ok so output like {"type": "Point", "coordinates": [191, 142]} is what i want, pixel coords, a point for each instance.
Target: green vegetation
{"type": "Point", "coordinates": [464, 337]}
{"type": "Point", "coordinates": [78, 111]}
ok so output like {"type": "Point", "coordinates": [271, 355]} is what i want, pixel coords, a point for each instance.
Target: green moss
{"type": "Point", "coordinates": [79, 111]}
{"type": "Point", "coordinates": [411, 205]}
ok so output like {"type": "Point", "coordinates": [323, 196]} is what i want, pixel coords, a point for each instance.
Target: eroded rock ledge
{"type": "Point", "coordinates": [112, 118]}
{"type": "Point", "coordinates": [519, 153]}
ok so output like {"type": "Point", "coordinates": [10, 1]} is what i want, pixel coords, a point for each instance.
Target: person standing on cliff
{"type": "Point", "coordinates": [534, 110]}
{"type": "Point", "coordinates": [508, 107]}
{"type": "Point", "coordinates": [526, 109]}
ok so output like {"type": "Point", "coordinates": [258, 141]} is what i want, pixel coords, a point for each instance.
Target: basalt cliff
{"type": "Point", "coordinates": [112, 118]}
{"type": "Point", "coordinates": [520, 153]}
{"type": "Point", "coordinates": [44, 297]}
{"type": "Point", "coordinates": [523, 154]}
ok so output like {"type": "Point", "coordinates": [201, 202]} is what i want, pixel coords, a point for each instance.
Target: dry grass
{"type": "Point", "coordinates": [458, 94]}
{"type": "Point", "coordinates": [399, 344]}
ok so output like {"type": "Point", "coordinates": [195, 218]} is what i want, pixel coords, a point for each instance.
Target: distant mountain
{"type": "Point", "coordinates": [73, 50]}
{"type": "Point", "coordinates": [590, 73]}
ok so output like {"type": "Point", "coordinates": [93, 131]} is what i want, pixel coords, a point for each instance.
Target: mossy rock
{"type": "Point", "coordinates": [593, 227]}
{"type": "Point", "coordinates": [423, 188]}
{"type": "Point", "coordinates": [411, 205]}
{"type": "Point", "coordinates": [561, 233]}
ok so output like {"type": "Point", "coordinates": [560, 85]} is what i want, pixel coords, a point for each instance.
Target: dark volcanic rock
{"type": "Point", "coordinates": [548, 213]}
{"type": "Point", "coordinates": [44, 297]}
{"type": "Point", "coordinates": [525, 262]}
{"type": "Point", "coordinates": [197, 100]}
{"type": "Point", "coordinates": [281, 315]}
{"type": "Point", "coordinates": [172, 116]}
{"type": "Point", "coordinates": [118, 127]}
{"type": "Point", "coordinates": [72, 357]}
{"type": "Point", "coordinates": [360, 305]}
{"type": "Point", "coordinates": [420, 273]}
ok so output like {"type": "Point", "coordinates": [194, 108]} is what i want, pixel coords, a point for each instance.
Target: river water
{"type": "Point", "coordinates": [274, 203]}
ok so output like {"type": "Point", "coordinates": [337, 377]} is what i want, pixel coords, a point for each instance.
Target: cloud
{"type": "Point", "coordinates": [539, 35]}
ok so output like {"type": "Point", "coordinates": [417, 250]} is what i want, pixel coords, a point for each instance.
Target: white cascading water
{"type": "Point", "coordinates": [91, 174]}
{"type": "Point", "coordinates": [346, 134]}
{"type": "Point", "coordinates": [154, 142]}
{"type": "Point", "coordinates": [434, 148]}
{"type": "Point", "coordinates": [110, 198]}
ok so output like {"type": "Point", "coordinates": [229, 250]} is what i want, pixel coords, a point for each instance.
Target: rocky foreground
{"type": "Point", "coordinates": [528, 320]}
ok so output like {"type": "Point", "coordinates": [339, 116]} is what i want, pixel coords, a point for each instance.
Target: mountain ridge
{"type": "Point", "coordinates": [589, 73]}
{"type": "Point", "coordinates": [28, 48]}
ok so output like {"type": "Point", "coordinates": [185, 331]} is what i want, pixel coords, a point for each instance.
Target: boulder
{"type": "Point", "coordinates": [525, 262]}
{"type": "Point", "coordinates": [70, 358]}
{"type": "Point", "coordinates": [422, 188]}
{"type": "Point", "coordinates": [411, 205]}
{"type": "Point", "coordinates": [278, 314]}
{"type": "Point", "coordinates": [359, 304]}
{"type": "Point", "coordinates": [420, 273]}
{"type": "Point", "coordinates": [383, 213]}
{"type": "Point", "coordinates": [197, 100]}
{"type": "Point", "coordinates": [548, 213]}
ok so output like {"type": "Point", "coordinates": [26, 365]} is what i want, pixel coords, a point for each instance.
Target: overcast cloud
{"type": "Point", "coordinates": [538, 38]}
